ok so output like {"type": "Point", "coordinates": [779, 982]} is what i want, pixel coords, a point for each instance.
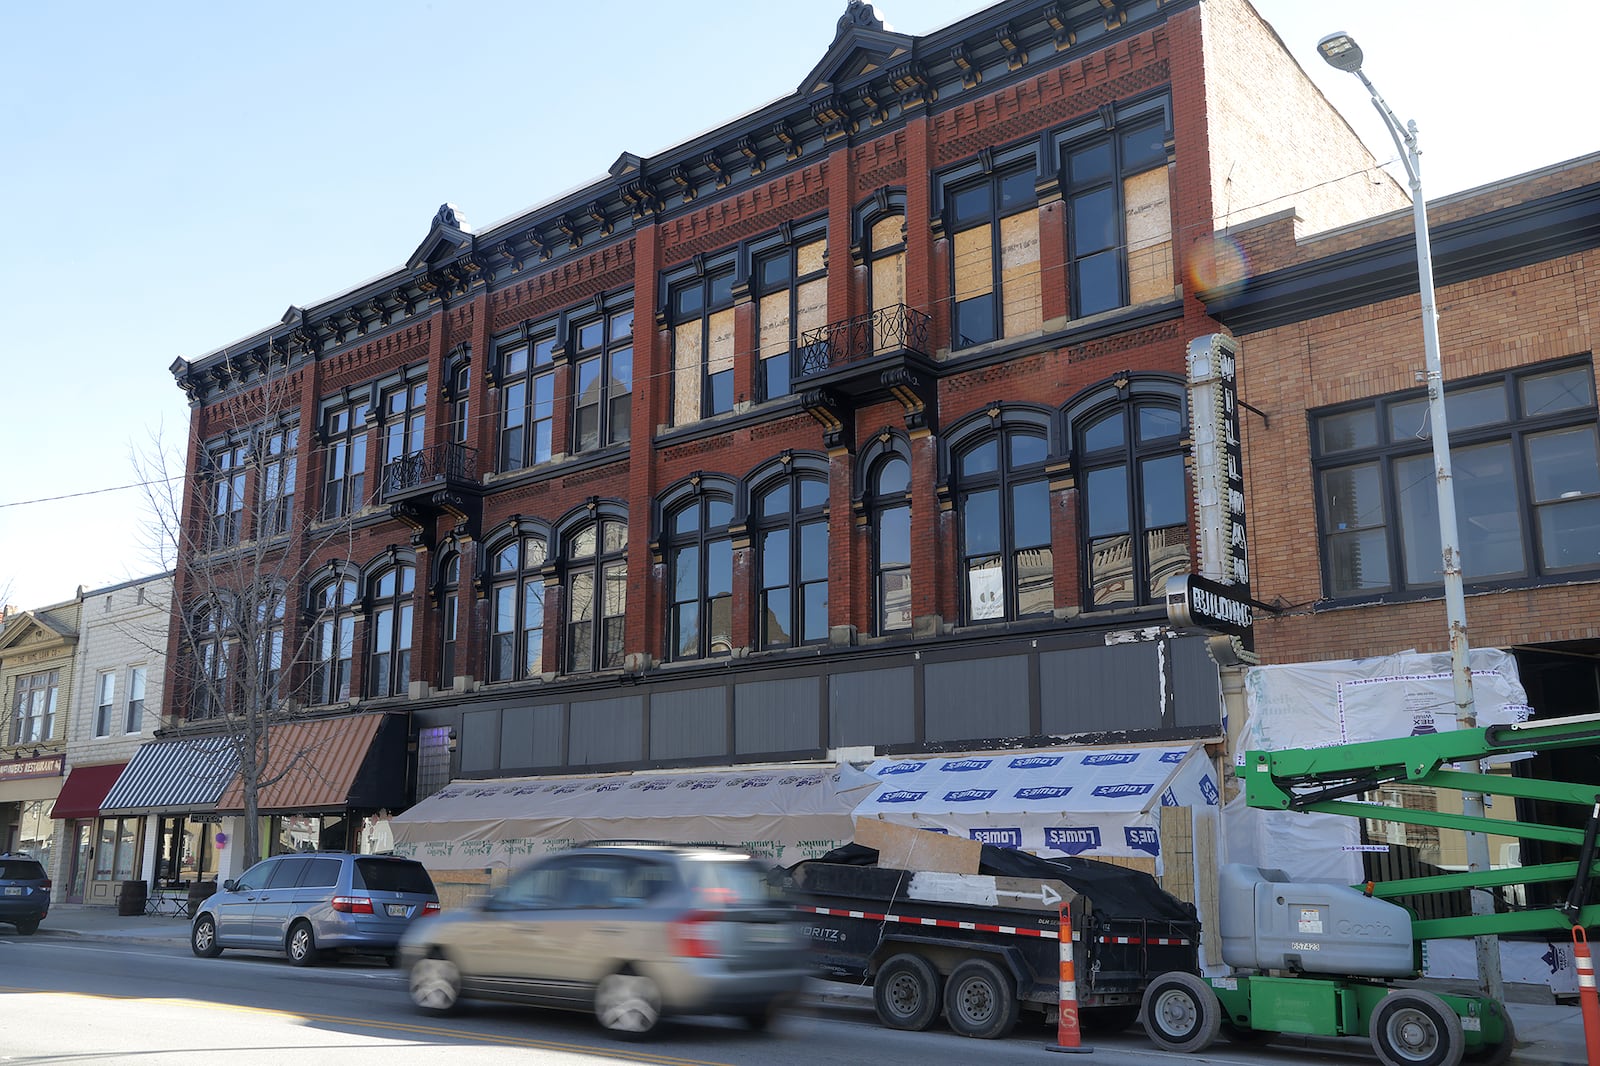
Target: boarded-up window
{"type": "Point", "coordinates": [687, 354]}
{"type": "Point", "coordinates": [1019, 273]}
{"type": "Point", "coordinates": [887, 258]}
{"type": "Point", "coordinates": [792, 287]}
{"type": "Point", "coordinates": [1148, 214]}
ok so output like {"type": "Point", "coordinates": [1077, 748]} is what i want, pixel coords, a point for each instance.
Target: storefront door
{"type": "Point", "coordinates": [81, 856]}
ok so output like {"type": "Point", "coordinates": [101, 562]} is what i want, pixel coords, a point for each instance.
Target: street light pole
{"type": "Point", "coordinates": [1341, 52]}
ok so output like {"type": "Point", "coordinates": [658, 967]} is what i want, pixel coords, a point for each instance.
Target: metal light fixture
{"type": "Point", "coordinates": [1342, 53]}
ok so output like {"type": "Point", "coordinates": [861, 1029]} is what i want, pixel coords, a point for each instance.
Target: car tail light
{"type": "Point", "coordinates": [430, 907]}
{"type": "Point", "coordinates": [695, 937]}
{"type": "Point", "coordinates": [46, 884]}
{"type": "Point", "coordinates": [352, 904]}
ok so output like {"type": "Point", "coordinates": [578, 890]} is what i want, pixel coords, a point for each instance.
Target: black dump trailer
{"type": "Point", "coordinates": [980, 948]}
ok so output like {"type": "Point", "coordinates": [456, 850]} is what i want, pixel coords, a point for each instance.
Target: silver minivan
{"type": "Point", "coordinates": [310, 905]}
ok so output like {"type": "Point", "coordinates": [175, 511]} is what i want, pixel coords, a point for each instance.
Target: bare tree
{"type": "Point", "coordinates": [237, 529]}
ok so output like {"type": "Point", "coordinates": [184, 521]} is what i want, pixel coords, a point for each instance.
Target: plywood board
{"type": "Point", "coordinates": [905, 848]}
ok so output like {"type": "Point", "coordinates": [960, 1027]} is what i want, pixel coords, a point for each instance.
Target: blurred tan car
{"type": "Point", "coordinates": [631, 932]}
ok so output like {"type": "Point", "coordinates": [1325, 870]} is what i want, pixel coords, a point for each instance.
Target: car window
{"type": "Point", "coordinates": [535, 887]}
{"type": "Point", "coordinates": [287, 875]}
{"type": "Point", "coordinates": [20, 870]}
{"type": "Point", "coordinates": [320, 873]}
{"type": "Point", "coordinates": [591, 883]}
{"type": "Point", "coordinates": [641, 883]}
{"type": "Point", "coordinates": [727, 881]}
{"type": "Point", "coordinates": [256, 877]}
{"type": "Point", "coordinates": [392, 875]}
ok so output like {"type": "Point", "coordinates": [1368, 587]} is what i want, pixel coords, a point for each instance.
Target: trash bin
{"type": "Point", "coordinates": [199, 891]}
{"type": "Point", "coordinates": [131, 898]}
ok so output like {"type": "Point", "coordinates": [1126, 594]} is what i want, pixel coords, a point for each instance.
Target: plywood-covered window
{"type": "Point", "coordinates": [791, 284]}
{"type": "Point", "coordinates": [886, 269]}
{"type": "Point", "coordinates": [994, 227]}
{"type": "Point", "coordinates": [702, 344]}
{"type": "Point", "coordinates": [1119, 218]}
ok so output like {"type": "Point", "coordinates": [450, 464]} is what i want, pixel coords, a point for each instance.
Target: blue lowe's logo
{"type": "Point", "coordinates": [900, 768]}
{"type": "Point", "coordinates": [1110, 758]}
{"type": "Point", "coordinates": [1072, 840]}
{"type": "Point", "coordinates": [969, 795]}
{"type": "Point", "coordinates": [1000, 838]}
{"type": "Point", "coordinates": [900, 795]}
{"type": "Point", "coordinates": [1043, 792]}
{"type": "Point", "coordinates": [1169, 798]}
{"type": "Point", "coordinates": [1173, 756]}
{"type": "Point", "coordinates": [1208, 788]}
{"type": "Point", "coordinates": [1035, 762]}
{"type": "Point", "coordinates": [961, 766]}
{"type": "Point", "coordinates": [1142, 838]}
{"type": "Point", "coordinates": [1119, 791]}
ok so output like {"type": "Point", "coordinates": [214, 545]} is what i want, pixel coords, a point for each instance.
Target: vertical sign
{"type": "Point", "coordinates": [1218, 460]}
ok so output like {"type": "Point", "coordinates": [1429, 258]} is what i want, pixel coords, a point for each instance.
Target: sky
{"type": "Point", "coordinates": [177, 174]}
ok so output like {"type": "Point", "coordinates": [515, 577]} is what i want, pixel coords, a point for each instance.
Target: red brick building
{"type": "Point", "coordinates": [859, 422]}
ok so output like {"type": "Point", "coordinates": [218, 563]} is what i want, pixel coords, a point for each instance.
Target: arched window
{"type": "Point", "coordinates": [1002, 498]}
{"type": "Point", "coordinates": [789, 519]}
{"type": "Point", "coordinates": [889, 504]}
{"type": "Point", "coordinates": [596, 558]}
{"type": "Point", "coordinates": [333, 639]}
{"type": "Point", "coordinates": [449, 617]}
{"type": "Point", "coordinates": [389, 632]}
{"type": "Point", "coordinates": [699, 554]}
{"type": "Point", "coordinates": [1135, 508]}
{"type": "Point", "coordinates": [516, 612]}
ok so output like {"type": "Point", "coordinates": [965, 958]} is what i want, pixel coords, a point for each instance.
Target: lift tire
{"type": "Point", "coordinates": [980, 1000]}
{"type": "Point", "coordinates": [1181, 1013]}
{"type": "Point", "coordinates": [1415, 1028]}
{"type": "Point", "coordinates": [1495, 1054]}
{"type": "Point", "coordinates": [906, 993]}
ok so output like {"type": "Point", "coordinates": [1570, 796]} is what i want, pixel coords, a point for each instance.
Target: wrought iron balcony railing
{"type": "Point", "coordinates": [443, 464]}
{"type": "Point", "coordinates": [893, 329]}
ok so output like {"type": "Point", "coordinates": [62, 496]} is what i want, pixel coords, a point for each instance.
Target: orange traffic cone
{"type": "Point", "coordinates": [1586, 994]}
{"type": "Point", "coordinates": [1068, 1038]}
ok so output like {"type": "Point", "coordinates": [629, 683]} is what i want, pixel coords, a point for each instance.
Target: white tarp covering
{"type": "Point", "coordinates": [1082, 801]}
{"type": "Point", "coordinates": [782, 814]}
{"type": "Point", "coordinates": [1347, 701]}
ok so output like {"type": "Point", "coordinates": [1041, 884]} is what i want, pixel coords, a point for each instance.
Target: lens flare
{"type": "Point", "coordinates": [1218, 265]}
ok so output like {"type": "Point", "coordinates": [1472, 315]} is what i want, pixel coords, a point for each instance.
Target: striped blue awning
{"type": "Point", "coordinates": [169, 776]}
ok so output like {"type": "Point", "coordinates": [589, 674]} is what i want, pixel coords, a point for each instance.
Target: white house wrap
{"type": "Point", "coordinates": [1084, 801]}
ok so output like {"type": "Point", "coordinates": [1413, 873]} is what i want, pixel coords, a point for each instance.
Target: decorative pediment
{"type": "Point", "coordinates": [29, 631]}
{"type": "Point", "coordinates": [449, 237]}
{"type": "Point", "coordinates": [861, 48]}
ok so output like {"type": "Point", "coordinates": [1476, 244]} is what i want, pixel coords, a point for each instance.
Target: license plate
{"type": "Point", "coordinates": [13, 890]}
{"type": "Point", "coordinates": [768, 934]}
{"type": "Point", "coordinates": [398, 910]}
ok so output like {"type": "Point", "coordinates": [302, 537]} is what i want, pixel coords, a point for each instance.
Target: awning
{"type": "Point", "coordinates": [783, 814]}
{"type": "Point", "coordinates": [1072, 801]}
{"type": "Point", "coordinates": [85, 790]}
{"type": "Point", "coordinates": [171, 776]}
{"type": "Point", "coordinates": [329, 764]}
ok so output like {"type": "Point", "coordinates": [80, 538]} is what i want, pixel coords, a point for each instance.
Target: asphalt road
{"type": "Point", "coordinates": [81, 1001]}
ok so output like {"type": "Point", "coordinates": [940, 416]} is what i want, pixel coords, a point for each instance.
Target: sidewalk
{"type": "Point", "coordinates": [1547, 1032]}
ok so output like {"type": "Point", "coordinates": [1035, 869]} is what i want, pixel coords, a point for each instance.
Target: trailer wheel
{"type": "Point", "coordinates": [979, 1000]}
{"type": "Point", "coordinates": [1181, 1013]}
{"type": "Point", "coordinates": [905, 993]}
{"type": "Point", "coordinates": [1413, 1028]}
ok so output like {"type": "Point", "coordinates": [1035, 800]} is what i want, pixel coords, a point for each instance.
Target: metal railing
{"type": "Point", "coordinates": [441, 464]}
{"type": "Point", "coordinates": [896, 328]}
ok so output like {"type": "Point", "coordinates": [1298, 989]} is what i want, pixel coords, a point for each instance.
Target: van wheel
{"type": "Point", "coordinates": [301, 947]}
{"type": "Point", "coordinates": [1181, 1013]}
{"type": "Point", "coordinates": [203, 938]}
{"type": "Point", "coordinates": [905, 993]}
{"type": "Point", "coordinates": [436, 985]}
{"type": "Point", "coordinates": [979, 1001]}
{"type": "Point", "coordinates": [627, 1005]}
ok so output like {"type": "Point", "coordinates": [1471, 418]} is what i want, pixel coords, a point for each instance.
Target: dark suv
{"type": "Point", "coordinates": [631, 932]}
{"type": "Point", "coordinates": [24, 892]}
{"type": "Point", "coordinates": [310, 904]}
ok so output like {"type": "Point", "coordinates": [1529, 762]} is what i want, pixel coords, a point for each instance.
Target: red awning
{"type": "Point", "coordinates": [85, 789]}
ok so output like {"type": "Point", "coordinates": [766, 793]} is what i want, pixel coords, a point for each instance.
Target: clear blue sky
{"type": "Point", "coordinates": [177, 174]}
